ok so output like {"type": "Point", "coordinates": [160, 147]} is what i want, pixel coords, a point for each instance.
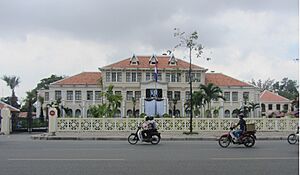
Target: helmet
{"type": "Point", "coordinates": [151, 118]}
{"type": "Point", "coordinates": [147, 118]}
{"type": "Point", "coordinates": [241, 115]}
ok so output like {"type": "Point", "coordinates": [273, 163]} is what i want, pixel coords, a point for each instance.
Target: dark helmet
{"type": "Point", "coordinates": [147, 118]}
{"type": "Point", "coordinates": [151, 118]}
{"type": "Point", "coordinates": [241, 115]}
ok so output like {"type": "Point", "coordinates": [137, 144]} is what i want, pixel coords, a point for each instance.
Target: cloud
{"type": "Point", "coordinates": [39, 56]}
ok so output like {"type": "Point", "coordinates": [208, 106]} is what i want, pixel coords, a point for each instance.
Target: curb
{"type": "Point", "coordinates": [122, 138]}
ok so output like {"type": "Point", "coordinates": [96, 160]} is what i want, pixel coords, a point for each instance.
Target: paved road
{"type": "Point", "coordinates": [21, 155]}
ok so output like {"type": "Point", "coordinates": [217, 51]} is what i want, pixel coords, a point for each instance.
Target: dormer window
{"type": "Point", "coordinates": [134, 60]}
{"type": "Point", "coordinates": [153, 60]}
{"type": "Point", "coordinates": [172, 60]}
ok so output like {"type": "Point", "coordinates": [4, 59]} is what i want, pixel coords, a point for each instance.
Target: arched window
{"type": "Point", "coordinates": [69, 113]}
{"type": "Point", "coordinates": [187, 113]}
{"type": "Point", "coordinates": [235, 113]}
{"type": "Point", "coordinates": [177, 113]}
{"type": "Point", "coordinates": [216, 113]}
{"type": "Point", "coordinates": [129, 112]}
{"type": "Point", "coordinates": [137, 113]}
{"type": "Point", "coordinates": [118, 114]}
{"type": "Point", "coordinates": [77, 113]}
{"type": "Point", "coordinates": [227, 113]}
{"type": "Point", "coordinates": [89, 114]}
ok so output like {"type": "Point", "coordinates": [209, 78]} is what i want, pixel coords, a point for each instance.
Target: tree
{"type": "Point", "coordinates": [263, 85]}
{"type": "Point", "coordinates": [31, 96]}
{"type": "Point", "coordinates": [133, 99]}
{"type": "Point", "coordinates": [174, 101]}
{"type": "Point", "coordinates": [198, 100]}
{"type": "Point", "coordinates": [12, 82]}
{"type": "Point", "coordinates": [253, 106]}
{"type": "Point", "coordinates": [190, 42]}
{"type": "Point", "coordinates": [98, 110]}
{"type": "Point", "coordinates": [114, 101]}
{"type": "Point", "coordinates": [211, 92]}
{"type": "Point", "coordinates": [41, 100]}
{"type": "Point", "coordinates": [45, 82]}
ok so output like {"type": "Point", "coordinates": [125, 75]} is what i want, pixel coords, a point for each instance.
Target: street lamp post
{"type": "Point", "coordinates": [191, 93]}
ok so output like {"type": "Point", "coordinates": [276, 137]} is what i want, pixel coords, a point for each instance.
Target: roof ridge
{"type": "Point", "coordinates": [10, 106]}
{"type": "Point", "coordinates": [236, 79]}
{"type": "Point", "coordinates": [58, 81]}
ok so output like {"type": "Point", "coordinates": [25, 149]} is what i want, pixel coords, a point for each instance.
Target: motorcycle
{"type": "Point", "coordinates": [247, 138]}
{"type": "Point", "coordinates": [294, 137]}
{"type": "Point", "coordinates": [153, 138]}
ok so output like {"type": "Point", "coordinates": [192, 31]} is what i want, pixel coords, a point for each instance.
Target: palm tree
{"type": "Point", "coordinates": [253, 106]}
{"type": "Point", "coordinates": [114, 101]}
{"type": "Point", "coordinates": [211, 92]}
{"type": "Point", "coordinates": [174, 101]}
{"type": "Point", "coordinates": [12, 82]}
{"type": "Point", "coordinates": [198, 100]}
{"type": "Point", "coordinates": [41, 100]}
{"type": "Point", "coordinates": [31, 97]}
{"type": "Point", "coordinates": [133, 99]}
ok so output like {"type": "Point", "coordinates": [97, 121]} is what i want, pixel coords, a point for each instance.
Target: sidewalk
{"type": "Point", "coordinates": [166, 135]}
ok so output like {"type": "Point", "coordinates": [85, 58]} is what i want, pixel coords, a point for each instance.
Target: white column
{"type": "Point", "coordinates": [74, 97]}
{"type": "Point", "coordinates": [165, 105]}
{"type": "Point", "coordinates": [5, 121]}
{"type": "Point", "coordinates": [182, 106]}
{"type": "Point", "coordinates": [83, 112]}
{"type": "Point", "coordinates": [62, 110]}
{"type": "Point", "coordinates": [142, 105]}
{"type": "Point", "coordinates": [52, 120]}
{"type": "Point", "coordinates": [123, 111]}
{"type": "Point", "coordinates": [223, 110]}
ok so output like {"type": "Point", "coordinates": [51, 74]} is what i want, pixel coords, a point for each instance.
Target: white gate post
{"type": "Point", "coordinates": [5, 121]}
{"type": "Point", "coordinates": [52, 121]}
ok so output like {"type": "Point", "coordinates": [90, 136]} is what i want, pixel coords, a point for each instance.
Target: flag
{"type": "Point", "coordinates": [155, 72]}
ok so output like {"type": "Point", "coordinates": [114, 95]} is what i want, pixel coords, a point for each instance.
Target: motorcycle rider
{"type": "Point", "coordinates": [243, 127]}
{"type": "Point", "coordinates": [152, 125]}
{"type": "Point", "coordinates": [146, 127]}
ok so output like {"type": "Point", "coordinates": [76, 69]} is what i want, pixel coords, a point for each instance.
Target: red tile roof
{"type": "Point", "coordinates": [267, 96]}
{"type": "Point", "coordinates": [163, 63]}
{"type": "Point", "coordinates": [220, 79]}
{"type": "Point", "coordinates": [12, 109]}
{"type": "Point", "coordinates": [84, 78]}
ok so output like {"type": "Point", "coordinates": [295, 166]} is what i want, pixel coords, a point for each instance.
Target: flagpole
{"type": "Point", "coordinates": [155, 73]}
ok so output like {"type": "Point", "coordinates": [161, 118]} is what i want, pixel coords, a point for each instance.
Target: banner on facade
{"type": "Point", "coordinates": [151, 104]}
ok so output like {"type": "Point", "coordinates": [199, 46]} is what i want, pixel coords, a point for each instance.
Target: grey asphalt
{"type": "Point", "coordinates": [166, 135]}
{"type": "Point", "coordinates": [19, 154]}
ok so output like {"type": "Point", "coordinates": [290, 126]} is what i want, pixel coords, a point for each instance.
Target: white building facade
{"type": "Point", "coordinates": [134, 77]}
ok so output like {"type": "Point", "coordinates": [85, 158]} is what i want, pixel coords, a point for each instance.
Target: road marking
{"type": "Point", "coordinates": [255, 158]}
{"type": "Point", "coordinates": [89, 149]}
{"type": "Point", "coordinates": [66, 159]}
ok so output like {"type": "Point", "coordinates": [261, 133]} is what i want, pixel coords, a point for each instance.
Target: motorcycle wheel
{"type": "Point", "coordinates": [249, 141]}
{"type": "Point", "coordinates": [155, 139]}
{"type": "Point", "coordinates": [132, 139]}
{"type": "Point", "coordinates": [224, 141]}
{"type": "Point", "coordinates": [292, 139]}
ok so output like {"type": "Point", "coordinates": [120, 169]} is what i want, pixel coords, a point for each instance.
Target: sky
{"type": "Point", "coordinates": [245, 39]}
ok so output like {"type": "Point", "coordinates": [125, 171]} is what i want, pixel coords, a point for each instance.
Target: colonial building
{"type": "Point", "coordinates": [273, 104]}
{"type": "Point", "coordinates": [135, 77]}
